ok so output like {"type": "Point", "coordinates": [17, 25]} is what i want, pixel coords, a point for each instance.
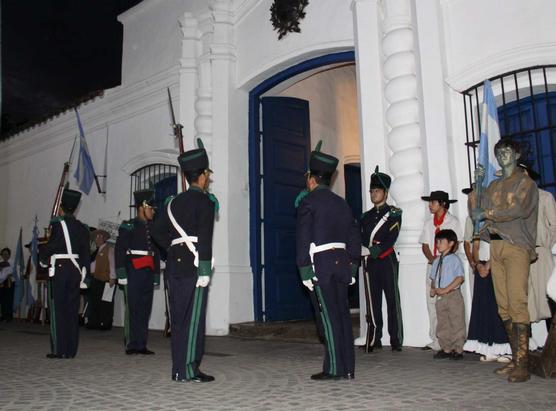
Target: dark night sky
{"type": "Point", "coordinates": [54, 52]}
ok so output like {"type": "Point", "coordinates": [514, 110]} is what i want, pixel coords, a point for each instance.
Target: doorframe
{"type": "Point", "coordinates": [254, 141]}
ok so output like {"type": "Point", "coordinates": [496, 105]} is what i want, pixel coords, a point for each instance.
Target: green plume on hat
{"type": "Point", "coordinates": [318, 146]}
{"type": "Point", "coordinates": [200, 143]}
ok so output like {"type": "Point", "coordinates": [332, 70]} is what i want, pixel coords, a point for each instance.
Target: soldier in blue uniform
{"type": "Point", "coordinates": [185, 230]}
{"type": "Point", "coordinates": [380, 227]}
{"type": "Point", "coordinates": [328, 251]}
{"type": "Point", "coordinates": [67, 256]}
{"type": "Point", "coordinates": [137, 269]}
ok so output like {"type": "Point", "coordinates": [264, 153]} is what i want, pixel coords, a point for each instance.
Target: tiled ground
{"type": "Point", "coordinates": [250, 375]}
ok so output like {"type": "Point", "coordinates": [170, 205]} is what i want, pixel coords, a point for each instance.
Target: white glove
{"type": "Point", "coordinates": [202, 281]}
{"type": "Point", "coordinates": [352, 281]}
{"type": "Point", "coordinates": [309, 283]}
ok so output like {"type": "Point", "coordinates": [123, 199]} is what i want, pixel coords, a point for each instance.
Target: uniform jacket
{"type": "Point", "coordinates": [324, 217]}
{"type": "Point", "coordinates": [134, 234]}
{"type": "Point", "coordinates": [79, 239]}
{"type": "Point", "coordinates": [387, 234]}
{"type": "Point", "coordinates": [194, 212]}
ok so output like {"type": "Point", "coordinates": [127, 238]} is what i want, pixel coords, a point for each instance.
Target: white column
{"type": "Point", "coordinates": [402, 92]}
{"type": "Point", "coordinates": [188, 77]}
{"type": "Point", "coordinates": [366, 23]}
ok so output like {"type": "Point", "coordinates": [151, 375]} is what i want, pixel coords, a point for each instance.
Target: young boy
{"type": "Point", "coordinates": [446, 277]}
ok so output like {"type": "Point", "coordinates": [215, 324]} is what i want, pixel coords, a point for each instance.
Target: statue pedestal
{"type": "Point", "coordinates": [543, 363]}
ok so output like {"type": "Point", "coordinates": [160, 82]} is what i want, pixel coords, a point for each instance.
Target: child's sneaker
{"type": "Point", "coordinates": [441, 355]}
{"type": "Point", "coordinates": [457, 356]}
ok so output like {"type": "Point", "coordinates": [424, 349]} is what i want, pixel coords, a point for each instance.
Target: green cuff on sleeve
{"type": "Point", "coordinates": [156, 280]}
{"type": "Point", "coordinates": [121, 273]}
{"type": "Point", "coordinates": [306, 272]}
{"type": "Point", "coordinates": [354, 269]}
{"type": "Point", "coordinates": [204, 269]}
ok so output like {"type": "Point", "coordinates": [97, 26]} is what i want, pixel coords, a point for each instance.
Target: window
{"type": "Point", "coordinates": [526, 101]}
{"type": "Point", "coordinates": [162, 178]}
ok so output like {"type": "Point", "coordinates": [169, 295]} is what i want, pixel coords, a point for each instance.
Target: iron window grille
{"type": "Point", "coordinates": [162, 178]}
{"type": "Point", "coordinates": [526, 101]}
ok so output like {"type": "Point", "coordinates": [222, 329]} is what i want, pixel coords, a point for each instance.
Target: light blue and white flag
{"type": "Point", "coordinates": [490, 134]}
{"type": "Point", "coordinates": [18, 271]}
{"type": "Point", "coordinates": [31, 291]}
{"type": "Point", "coordinates": [85, 172]}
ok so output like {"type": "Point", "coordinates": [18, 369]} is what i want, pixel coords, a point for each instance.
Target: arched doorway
{"type": "Point", "coordinates": [272, 242]}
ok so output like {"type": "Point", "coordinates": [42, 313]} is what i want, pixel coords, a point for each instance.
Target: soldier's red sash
{"type": "Point", "coordinates": [146, 261]}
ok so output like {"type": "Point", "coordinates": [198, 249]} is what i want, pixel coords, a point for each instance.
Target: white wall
{"type": "Point", "coordinates": [332, 96]}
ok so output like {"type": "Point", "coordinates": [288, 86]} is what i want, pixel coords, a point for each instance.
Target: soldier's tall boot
{"type": "Point", "coordinates": [520, 373]}
{"type": "Point", "coordinates": [509, 367]}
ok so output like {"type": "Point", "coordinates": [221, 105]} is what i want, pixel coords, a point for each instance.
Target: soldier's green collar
{"type": "Point", "coordinates": [195, 188]}
{"type": "Point", "coordinates": [321, 187]}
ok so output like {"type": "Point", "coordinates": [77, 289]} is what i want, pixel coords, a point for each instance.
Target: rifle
{"type": "Point", "coordinates": [177, 127]}
{"type": "Point", "coordinates": [61, 186]}
{"type": "Point", "coordinates": [369, 341]}
{"type": "Point", "coordinates": [179, 136]}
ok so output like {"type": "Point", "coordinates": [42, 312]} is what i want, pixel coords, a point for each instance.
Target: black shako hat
{"type": "Point", "coordinates": [440, 196]}
{"type": "Point", "coordinates": [380, 180]}
{"type": "Point", "coordinates": [70, 200]}
{"type": "Point", "coordinates": [194, 160]}
{"type": "Point", "coordinates": [143, 198]}
{"type": "Point", "coordinates": [527, 167]}
{"type": "Point", "coordinates": [322, 163]}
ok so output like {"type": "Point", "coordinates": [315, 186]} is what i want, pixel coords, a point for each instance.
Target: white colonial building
{"type": "Point", "coordinates": [394, 83]}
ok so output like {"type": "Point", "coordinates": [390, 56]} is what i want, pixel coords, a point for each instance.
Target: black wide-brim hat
{"type": "Point", "coordinates": [380, 180]}
{"type": "Point", "coordinates": [143, 198]}
{"type": "Point", "coordinates": [194, 160]}
{"type": "Point", "coordinates": [440, 196]}
{"type": "Point", "coordinates": [322, 163]}
{"type": "Point", "coordinates": [70, 200]}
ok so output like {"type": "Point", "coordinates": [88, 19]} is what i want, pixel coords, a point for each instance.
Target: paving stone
{"type": "Point", "coordinates": [250, 374]}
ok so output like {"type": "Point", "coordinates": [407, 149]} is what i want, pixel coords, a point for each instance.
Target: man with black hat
{"type": "Point", "coordinates": [185, 229]}
{"type": "Point", "coordinates": [380, 227]}
{"type": "Point", "coordinates": [328, 245]}
{"type": "Point", "coordinates": [137, 266]}
{"type": "Point", "coordinates": [441, 219]}
{"type": "Point", "coordinates": [67, 256]}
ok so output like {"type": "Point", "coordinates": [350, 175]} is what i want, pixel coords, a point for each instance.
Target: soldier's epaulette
{"type": "Point", "coordinates": [127, 225]}
{"type": "Point", "coordinates": [363, 215]}
{"type": "Point", "coordinates": [56, 219]}
{"type": "Point", "coordinates": [395, 211]}
{"type": "Point", "coordinates": [168, 199]}
{"type": "Point", "coordinates": [86, 226]}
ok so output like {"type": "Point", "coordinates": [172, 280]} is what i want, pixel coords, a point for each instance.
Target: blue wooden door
{"type": "Point", "coordinates": [286, 146]}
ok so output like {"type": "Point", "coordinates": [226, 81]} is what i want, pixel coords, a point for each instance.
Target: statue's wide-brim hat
{"type": "Point", "coordinates": [70, 200]}
{"type": "Point", "coordinates": [143, 198]}
{"type": "Point", "coordinates": [440, 196]}
{"type": "Point", "coordinates": [380, 180]}
{"type": "Point", "coordinates": [196, 159]}
{"type": "Point", "coordinates": [322, 163]}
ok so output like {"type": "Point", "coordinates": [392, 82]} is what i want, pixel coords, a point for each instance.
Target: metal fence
{"type": "Point", "coordinates": [162, 178]}
{"type": "Point", "coordinates": [526, 101]}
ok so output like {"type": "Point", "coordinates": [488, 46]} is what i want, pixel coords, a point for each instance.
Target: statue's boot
{"type": "Point", "coordinates": [508, 367]}
{"type": "Point", "coordinates": [521, 372]}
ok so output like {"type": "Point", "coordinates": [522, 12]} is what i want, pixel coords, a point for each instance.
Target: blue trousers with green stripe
{"type": "Point", "coordinates": [188, 307]}
{"type": "Point", "coordinates": [139, 302]}
{"type": "Point", "coordinates": [383, 277]}
{"type": "Point", "coordinates": [339, 358]}
{"type": "Point", "coordinates": [63, 293]}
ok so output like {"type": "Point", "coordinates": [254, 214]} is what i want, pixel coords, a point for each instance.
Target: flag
{"type": "Point", "coordinates": [31, 291]}
{"type": "Point", "coordinates": [490, 134]}
{"type": "Point", "coordinates": [85, 172]}
{"type": "Point", "coordinates": [18, 269]}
